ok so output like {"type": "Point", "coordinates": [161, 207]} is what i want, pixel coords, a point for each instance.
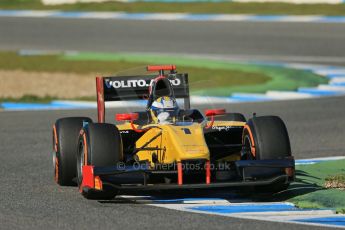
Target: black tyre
{"type": "Point", "coordinates": [266, 138]}
{"type": "Point", "coordinates": [65, 142]}
{"type": "Point", "coordinates": [100, 145]}
{"type": "Point", "coordinates": [231, 117]}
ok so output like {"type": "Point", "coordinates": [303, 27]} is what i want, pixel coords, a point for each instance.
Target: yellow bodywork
{"type": "Point", "coordinates": [176, 145]}
{"type": "Point", "coordinates": [173, 143]}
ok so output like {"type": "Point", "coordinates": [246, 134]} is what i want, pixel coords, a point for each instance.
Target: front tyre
{"type": "Point", "coordinates": [266, 138]}
{"type": "Point", "coordinates": [100, 145]}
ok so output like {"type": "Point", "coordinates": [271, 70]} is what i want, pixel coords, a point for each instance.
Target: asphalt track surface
{"type": "Point", "coordinates": [30, 199]}
{"type": "Point", "coordinates": [274, 41]}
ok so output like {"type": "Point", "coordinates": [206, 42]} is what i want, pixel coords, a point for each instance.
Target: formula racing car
{"type": "Point", "coordinates": [168, 146]}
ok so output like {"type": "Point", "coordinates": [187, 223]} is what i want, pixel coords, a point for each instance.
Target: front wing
{"type": "Point", "coordinates": [142, 177]}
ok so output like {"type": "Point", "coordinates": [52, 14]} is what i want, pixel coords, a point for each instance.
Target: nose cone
{"type": "Point", "coordinates": [188, 142]}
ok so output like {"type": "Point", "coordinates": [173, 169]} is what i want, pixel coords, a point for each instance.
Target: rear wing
{"type": "Point", "coordinates": [125, 88]}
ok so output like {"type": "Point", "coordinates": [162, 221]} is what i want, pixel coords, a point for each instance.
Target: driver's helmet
{"type": "Point", "coordinates": [164, 110]}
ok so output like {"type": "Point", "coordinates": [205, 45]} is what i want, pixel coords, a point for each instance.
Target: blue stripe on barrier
{"type": "Point", "coordinates": [332, 19]}
{"type": "Point", "coordinates": [39, 106]}
{"type": "Point", "coordinates": [335, 75]}
{"type": "Point", "coordinates": [333, 220]}
{"type": "Point", "coordinates": [134, 16]}
{"type": "Point", "coordinates": [199, 17]}
{"type": "Point", "coordinates": [26, 106]}
{"type": "Point", "coordinates": [10, 12]}
{"type": "Point", "coordinates": [338, 84]}
{"type": "Point", "coordinates": [67, 104]}
{"type": "Point", "coordinates": [318, 92]}
{"type": "Point", "coordinates": [281, 207]}
{"type": "Point", "coordinates": [249, 97]}
{"type": "Point", "coordinates": [68, 14]}
{"type": "Point", "coordinates": [187, 17]}
{"type": "Point", "coordinates": [267, 18]}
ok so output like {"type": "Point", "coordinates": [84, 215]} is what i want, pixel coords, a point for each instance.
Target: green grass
{"type": "Point", "coordinates": [219, 78]}
{"type": "Point", "coordinates": [201, 7]}
{"type": "Point", "coordinates": [55, 63]}
{"type": "Point", "coordinates": [309, 189]}
{"type": "Point", "coordinates": [340, 211]}
{"type": "Point", "coordinates": [207, 77]}
{"type": "Point", "coordinates": [200, 77]}
{"type": "Point", "coordinates": [28, 99]}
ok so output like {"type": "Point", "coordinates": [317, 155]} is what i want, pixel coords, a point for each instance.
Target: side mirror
{"type": "Point", "coordinates": [126, 116]}
{"type": "Point", "coordinates": [214, 112]}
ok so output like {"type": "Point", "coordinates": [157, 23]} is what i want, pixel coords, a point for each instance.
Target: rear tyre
{"type": "Point", "coordinates": [266, 138]}
{"type": "Point", "coordinates": [65, 142]}
{"type": "Point", "coordinates": [231, 117]}
{"type": "Point", "coordinates": [100, 145]}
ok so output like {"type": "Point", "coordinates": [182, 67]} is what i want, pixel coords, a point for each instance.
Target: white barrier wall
{"type": "Point", "coordinates": [57, 2]}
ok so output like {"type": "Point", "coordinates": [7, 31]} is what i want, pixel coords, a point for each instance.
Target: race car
{"type": "Point", "coordinates": [167, 146]}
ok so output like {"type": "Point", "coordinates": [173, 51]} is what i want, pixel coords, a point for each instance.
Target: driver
{"type": "Point", "coordinates": [164, 110]}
